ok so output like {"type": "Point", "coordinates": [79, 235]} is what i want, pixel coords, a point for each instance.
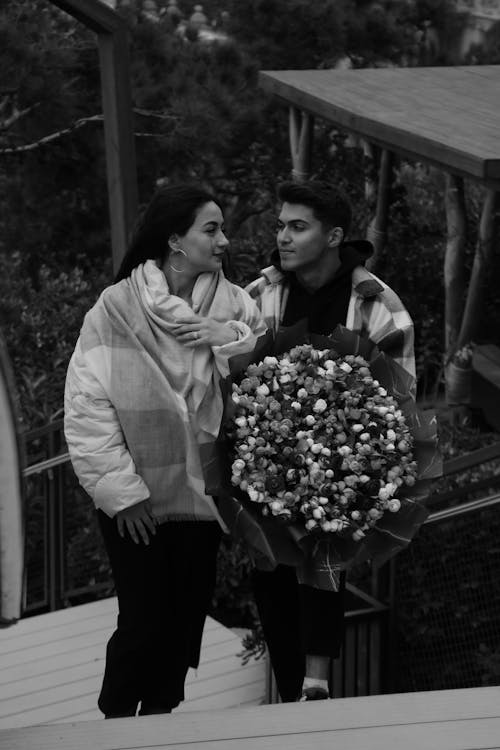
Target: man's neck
{"type": "Point", "coordinates": [315, 276]}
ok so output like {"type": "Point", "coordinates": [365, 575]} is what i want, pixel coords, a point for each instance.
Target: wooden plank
{"type": "Point", "coordinates": [441, 720]}
{"type": "Point", "coordinates": [407, 110]}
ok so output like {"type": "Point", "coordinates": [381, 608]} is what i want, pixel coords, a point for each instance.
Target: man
{"type": "Point", "coordinates": [319, 276]}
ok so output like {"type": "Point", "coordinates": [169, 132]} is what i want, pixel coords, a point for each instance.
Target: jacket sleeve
{"type": "Point", "coordinates": [96, 444]}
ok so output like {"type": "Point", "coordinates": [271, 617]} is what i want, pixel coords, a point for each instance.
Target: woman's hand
{"type": "Point", "coordinates": [138, 521]}
{"type": "Point", "coordinates": [197, 331]}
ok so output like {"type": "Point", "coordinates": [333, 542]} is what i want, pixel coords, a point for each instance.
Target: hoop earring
{"type": "Point", "coordinates": [178, 270]}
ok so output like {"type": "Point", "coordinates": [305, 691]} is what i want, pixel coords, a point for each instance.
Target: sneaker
{"type": "Point", "coordinates": [314, 694]}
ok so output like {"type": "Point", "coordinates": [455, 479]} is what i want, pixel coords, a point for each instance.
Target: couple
{"type": "Point", "coordinates": [142, 393]}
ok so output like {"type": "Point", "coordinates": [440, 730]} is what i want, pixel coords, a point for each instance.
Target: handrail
{"type": "Point", "coordinates": [49, 463]}
{"type": "Point", "coordinates": [460, 510]}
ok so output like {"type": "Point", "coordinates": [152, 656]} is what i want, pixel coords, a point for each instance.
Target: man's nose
{"type": "Point", "coordinates": [283, 236]}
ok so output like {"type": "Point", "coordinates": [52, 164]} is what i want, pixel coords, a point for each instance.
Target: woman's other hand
{"type": "Point", "coordinates": [198, 331]}
{"type": "Point", "coordinates": [138, 521]}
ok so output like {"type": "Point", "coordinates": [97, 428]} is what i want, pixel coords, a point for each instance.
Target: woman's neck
{"type": "Point", "coordinates": [179, 283]}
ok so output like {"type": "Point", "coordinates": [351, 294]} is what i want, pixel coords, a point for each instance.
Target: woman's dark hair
{"type": "Point", "coordinates": [329, 205]}
{"type": "Point", "coordinates": [172, 210]}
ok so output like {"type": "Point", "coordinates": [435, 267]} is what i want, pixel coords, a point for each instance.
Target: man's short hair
{"type": "Point", "coordinates": [328, 204]}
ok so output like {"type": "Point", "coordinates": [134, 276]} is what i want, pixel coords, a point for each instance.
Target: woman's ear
{"type": "Point", "coordinates": [335, 236]}
{"type": "Point", "coordinates": [173, 242]}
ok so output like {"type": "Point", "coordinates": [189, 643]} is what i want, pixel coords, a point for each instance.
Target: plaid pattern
{"type": "Point", "coordinates": [375, 311]}
{"type": "Point", "coordinates": [138, 403]}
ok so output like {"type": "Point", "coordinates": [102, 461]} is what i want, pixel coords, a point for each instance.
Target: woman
{"type": "Point", "coordinates": [142, 394]}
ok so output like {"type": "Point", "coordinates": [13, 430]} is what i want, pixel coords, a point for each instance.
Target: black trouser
{"type": "Point", "coordinates": [164, 591]}
{"type": "Point", "coordinates": [297, 620]}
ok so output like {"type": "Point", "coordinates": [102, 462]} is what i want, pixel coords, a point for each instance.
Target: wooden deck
{"type": "Point", "coordinates": [449, 116]}
{"type": "Point", "coordinates": [442, 720]}
{"type": "Point", "coordinates": [51, 668]}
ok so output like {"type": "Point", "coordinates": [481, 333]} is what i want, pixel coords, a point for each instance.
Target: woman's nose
{"type": "Point", "coordinates": [222, 240]}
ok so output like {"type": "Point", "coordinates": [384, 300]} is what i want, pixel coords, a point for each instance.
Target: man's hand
{"type": "Point", "coordinates": [138, 521]}
{"type": "Point", "coordinates": [198, 331]}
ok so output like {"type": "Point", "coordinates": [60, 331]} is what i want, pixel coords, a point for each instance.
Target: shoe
{"type": "Point", "coordinates": [314, 694]}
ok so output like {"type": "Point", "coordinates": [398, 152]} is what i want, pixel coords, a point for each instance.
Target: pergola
{"type": "Point", "coordinates": [447, 116]}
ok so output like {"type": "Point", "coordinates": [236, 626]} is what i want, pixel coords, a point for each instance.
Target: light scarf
{"type": "Point", "coordinates": [166, 396]}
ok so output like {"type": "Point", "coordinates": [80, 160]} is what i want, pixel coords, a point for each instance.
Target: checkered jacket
{"type": "Point", "coordinates": [374, 311]}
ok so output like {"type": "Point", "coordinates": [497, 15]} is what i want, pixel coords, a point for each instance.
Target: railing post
{"type": "Point", "coordinates": [54, 528]}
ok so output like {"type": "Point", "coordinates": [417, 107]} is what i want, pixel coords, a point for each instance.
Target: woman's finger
{"type": "Point", "coordinates": [150, 524]}
{"type": "Point", "coordinates": [132, 531]}
{"type": "Point", "coordinates": [119, 523]}
{"type": "Point", "coordinates": [142, 531]}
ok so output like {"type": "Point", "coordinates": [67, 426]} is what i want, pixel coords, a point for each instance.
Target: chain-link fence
{"type": "Point", "coordinates": [446, 614]}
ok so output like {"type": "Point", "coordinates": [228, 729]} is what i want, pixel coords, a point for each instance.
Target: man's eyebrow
{"type": "Point", "coordinates": [211, 222]}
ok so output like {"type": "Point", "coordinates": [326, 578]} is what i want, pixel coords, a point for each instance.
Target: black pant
{"type": "Point", "coordinates": [297, 620]}
{"type": "Point", "coordinates": [164, 591]}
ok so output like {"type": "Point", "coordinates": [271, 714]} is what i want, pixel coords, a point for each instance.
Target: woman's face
{"type": "Point", "coordinates": [204, 243]}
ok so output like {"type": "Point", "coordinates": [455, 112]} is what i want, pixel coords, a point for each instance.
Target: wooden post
{"type": "Point", "coordinates": [482, 260]}
{"type": "Point", "coordinates": [301, 138]}
{"type": "Point", "coordinates": [454, 260]}
{"type": "Point", "coordinates": [119, 137]}
{"type": "Point", "coordinates": [112, 32]}
{"type": "Point", "coordinates": [377, 230]}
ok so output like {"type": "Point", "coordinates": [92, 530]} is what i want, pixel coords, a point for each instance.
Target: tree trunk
{"type": "Point", "coordinates": [301, 138]}
{"type": "Point", "coordinates": [482, 261]}
{"type": "Point", "coordinates": [377, 230]}
{"type": "Point", "coordinates": [454, 260]}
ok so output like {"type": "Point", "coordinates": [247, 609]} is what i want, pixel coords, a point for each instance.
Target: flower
{"type": "Point", "coordinates": [316, 440]}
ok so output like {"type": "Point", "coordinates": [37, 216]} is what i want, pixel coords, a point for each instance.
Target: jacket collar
{"type": "Point", "coordinates": [364, 283]}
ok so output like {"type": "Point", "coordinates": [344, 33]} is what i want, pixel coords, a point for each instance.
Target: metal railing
{"type": "Point", "coordinates": [65, 560]}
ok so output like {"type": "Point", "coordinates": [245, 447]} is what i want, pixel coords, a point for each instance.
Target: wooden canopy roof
{"type": "Point", "coordinates": [449, 116]}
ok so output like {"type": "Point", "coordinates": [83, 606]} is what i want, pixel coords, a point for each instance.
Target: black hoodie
{"type": "Point", "coordinates": [327, 306]}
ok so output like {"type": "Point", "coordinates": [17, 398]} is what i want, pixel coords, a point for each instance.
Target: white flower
{"type": "Point", "coordinates": [270, 361]}
{"type": "Point", "coordinates": [383, 494]}
{"type": "Point", "coordinates": [357, 428]}
{"type": "Point", "coordinates": [316, 448]}
{"type": "Point", "coordinates": [302, 393]}
{"type": "Point", "coordinates": [365, 436]}
{"type": "Point", "coordinates": [276, 506]}
{"type": "Point", "coordinates": [253, 494]}
{"type": "Point", "coordinates": [344, 450]}
{"type": "Point", "coordinates": [318, 513]}
{"type": "Point", "coordinates": [238, 466]}
{"type": "Point", "coordinates": [296, 406]}
{"type": "Point", "coordinates": [262, 390]}
{"type": "Point", "coordinates": [394, 505]}
{"type": "Point", "coordinates": [310, 524]}
{"type": "Point", "coordinates": [391, 435]}
{"type": "Point", "coordinates": [345, 367]}
{"type": "Point", "coordinates": [358, 535]}
{"type": "Point", "coordinates": [356, 515]}
{"type": "Point", "coordinates": [241, 421]}
{"type": "Point", "coordinates": [320, 406]}
{"type": "Point", "coordinates": [323, 500]}
{"type": "Point", "coordinates": [326, 452]}
{"type": "Point", "coordinates": [310, 420]}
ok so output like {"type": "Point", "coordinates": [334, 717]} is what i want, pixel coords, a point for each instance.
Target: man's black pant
{"type": "Point", "coordinates": [164, 591]}
{"type": "Point", "coordinates": [297, 620]}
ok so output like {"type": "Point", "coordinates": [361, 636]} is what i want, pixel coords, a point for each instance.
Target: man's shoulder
{"type": "Point", "coordinates": [369, 286]}
{"type": "Point", "coordinates": [268, 277]}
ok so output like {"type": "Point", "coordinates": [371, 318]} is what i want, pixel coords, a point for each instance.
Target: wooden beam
{"type": "Point", "coordinates": [121, 169]}
{"type": "Point", "coordinates": [119, 136]}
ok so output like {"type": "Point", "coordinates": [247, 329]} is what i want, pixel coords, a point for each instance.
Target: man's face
{"type": "Point", "coordinates": [302, 240]}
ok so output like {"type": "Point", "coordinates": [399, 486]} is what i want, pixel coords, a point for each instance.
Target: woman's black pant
{"type": "Point", "coordinates": [297, 620]}
{"type": "Point", "coordinates": [164, 591]}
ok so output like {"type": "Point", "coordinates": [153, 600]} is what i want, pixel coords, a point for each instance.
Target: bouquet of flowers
{"type": "Point", "coordinates": [324, 460]}
{"type": "Point", "coordinates": [318, 441]}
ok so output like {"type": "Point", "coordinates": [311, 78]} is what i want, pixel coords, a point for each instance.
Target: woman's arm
{"type": "Point", "coordinates": [96, 444]}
